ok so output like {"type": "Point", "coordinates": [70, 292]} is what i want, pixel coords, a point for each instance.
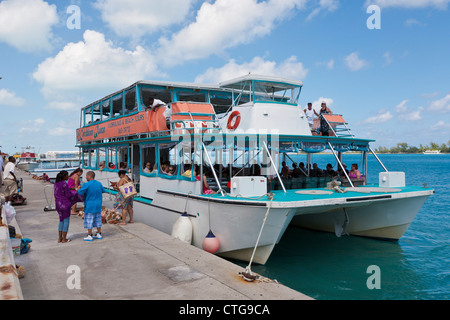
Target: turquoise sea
{"type": "Point", "coordinates": [414, 268]}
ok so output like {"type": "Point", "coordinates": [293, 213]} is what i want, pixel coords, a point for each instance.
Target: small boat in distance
{"type": "Point", "coordinates": [432, 152]}
{"type": "Point", "coordinates": [52, 162]}
{"type": "Point", "coordinates": [27, 160]}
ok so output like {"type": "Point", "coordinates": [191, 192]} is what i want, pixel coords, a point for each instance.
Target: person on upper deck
{"type": "Point", "coordinates": [154, 103]}
{"type": "Point", "coordinates": [309, 112]}
{"type": "Point", "coordinates": [324, 127]}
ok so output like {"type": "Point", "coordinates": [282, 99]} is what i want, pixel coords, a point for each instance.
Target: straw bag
{"type": "Point", "coordinates": [128, 190]}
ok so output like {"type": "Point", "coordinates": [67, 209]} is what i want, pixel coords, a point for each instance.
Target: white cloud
{"type": "Point", "coordinates": [139, 17]}
{"type": "Point", "coordinates": [354, 63]}
{"type": "Point", "coordinates": [329, 64]}
{"type": "Point", "coordinates": [222, 25]}
{"type": "Point", "coordinates": [289, 68]}
{"type": "Point", "coordinates": [380, 118]}
{"type": "Point", "coordinates": [441, 105]}
{"type": "Point", "coordinates": [324, 5]}
{"type": "Point", "coordinates": [413, 22]}
{"type": "Point", "coordinates": [26, 24]}
{"type": "Point", "coordinates": [440, 4]}
{"type": "Point", "coordinates": [9, 99]}
{"type": "Point", "coordinates": [91, 65]}
{"type": "Point", "coordinates": [401, 107]}
{"type": "Point", "coordinates": [60, 131]}
{"type": "Point", "coordinates": [32, 126]}
{"type": "Point", "coordinates": [387, 59]}
{"type": "Point", "coordinates": [411, 115]}
{"type": "Point", "coordinates": [317, 104]}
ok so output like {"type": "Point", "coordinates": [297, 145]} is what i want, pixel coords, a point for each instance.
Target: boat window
{"type": "Point", "coordinates": [92, 158]}
{"type": "Point", "coordinates": [106, 110]}
{"type": "Point", "coordinates": [221, 101]}
{"type": "Point", "coordinates": [85, 158]}
{"type": "Point", "coordinates": [88, 116]}
{"type": "Point", "coordinates": [122, 157]}
{"type": "Point", "coordinates": [148, 156]}
{"type": "Point", "coordinates": [274, 92]}
{"type": "Point", "coordinates": [156, 93]}
{"type": "Point", "coordinates": [168, 158]}
{"type": "Point", "coordinates": [192, 96]}
{"type": "Point", "coordinates": [117, 106]}
{"type": "Point", "coordinates": [112, 158]}
{"type": "Point", "coordinates": [130, 101]}
{"type": "Point", "coordinates": [101, 158]}
{"type": "Point", "coordinates": [96, 114]}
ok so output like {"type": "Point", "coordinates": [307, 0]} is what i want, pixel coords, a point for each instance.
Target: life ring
{"type": "Point", "coordinates": [237, 115]}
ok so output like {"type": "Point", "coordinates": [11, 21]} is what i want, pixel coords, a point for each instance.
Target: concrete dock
{"type": "Point", "coordinates": [132, 262]}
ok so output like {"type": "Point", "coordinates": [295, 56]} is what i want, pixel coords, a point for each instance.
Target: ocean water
{"type": "Point", "coordinates": [414, 268]}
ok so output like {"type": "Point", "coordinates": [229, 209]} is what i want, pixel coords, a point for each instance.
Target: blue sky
{"type": "Point", "coordinates": [391, 84]}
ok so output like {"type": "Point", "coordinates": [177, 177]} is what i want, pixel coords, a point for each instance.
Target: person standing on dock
{"type": "Point", "coordinates": [92, 191]}
{"type": "Point", "coordinates": [64, 200]}
{"type": "Point", "coordinates": [10, 179]}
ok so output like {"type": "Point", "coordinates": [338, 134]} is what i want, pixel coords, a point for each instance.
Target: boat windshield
{"type": "Point", "coordinates": [265, 91]}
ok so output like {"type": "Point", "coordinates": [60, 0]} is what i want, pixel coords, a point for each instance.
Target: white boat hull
{"type": "Point", "coordinates": [385, 219]}
{"type": "Point", "coordinates": [235, 225]}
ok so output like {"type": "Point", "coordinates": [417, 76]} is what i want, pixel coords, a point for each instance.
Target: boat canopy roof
{"type": "Point", "coordinates": [276, 83]}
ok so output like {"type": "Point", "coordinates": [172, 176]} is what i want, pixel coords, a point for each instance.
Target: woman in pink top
{"type": "Point", "coordinates": [354, 172]}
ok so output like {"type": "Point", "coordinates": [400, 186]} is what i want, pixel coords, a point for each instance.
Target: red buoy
{"type": "Point", "coordinates": [211, 243]}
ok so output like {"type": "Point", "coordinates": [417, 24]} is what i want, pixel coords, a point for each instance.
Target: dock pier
{"type": "Point", "coordinates": [132, 262]}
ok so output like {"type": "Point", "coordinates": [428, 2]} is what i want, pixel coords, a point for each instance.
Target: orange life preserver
{"type": "Point", "coordinates": [237, 115]}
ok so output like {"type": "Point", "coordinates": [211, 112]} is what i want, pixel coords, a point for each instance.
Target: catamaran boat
{"type": "Point", "coordinates": [52, 162]}
{"type": "Point", "coordinates": [206, 163]}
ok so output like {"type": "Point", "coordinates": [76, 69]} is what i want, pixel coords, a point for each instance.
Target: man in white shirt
{"type": "Point", "coordinates": [310, 115]}
{"type": "Point", "coordinates": [156, 103]}
{"type": "Point", "coordinates": [10, 178]}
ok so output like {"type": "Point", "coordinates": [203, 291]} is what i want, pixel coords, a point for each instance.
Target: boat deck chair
{"type": "Point", "coordinates": [192, 115]}
{"type": "Point", "coordinates": [338, 125]}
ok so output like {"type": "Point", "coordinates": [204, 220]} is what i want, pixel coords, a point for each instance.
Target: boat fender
{"type": "Point", "coordinates": [237, 115]}
{"type": "Point", "coordinates": [182, 229]}
{"type": "Point", "coordinates": [211, 244]}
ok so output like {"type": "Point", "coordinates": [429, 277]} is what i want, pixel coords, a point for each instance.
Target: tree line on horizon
{"type": "Point", "coordinates": [403, 147]}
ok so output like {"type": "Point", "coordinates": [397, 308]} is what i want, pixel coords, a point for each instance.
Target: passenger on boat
{"type": "Point", "coordinates": [101, 166]}
{"type": "Point", "coordinates": [295, 171]}
{"type": "Point", "coordinates": [120, 203]}
{"type": "Point", "coordinates": [122, 166]}
{"type": "Point", "coordinates": [301, 167]}
{"type": "Point", "coordinates": [354, 172]}
{"type": "Point", "coordinates": [285, 171]}
{"type": "Point", "coordinates": [329, 172]}
{"type": "Point", "coordinates": [315, 171]}
{"type": "Point", "coordinates": [111, 165]}
{"type": "Point", "coordinates": [309, 112]}
{"type": "Point", "coordinates": [324, 127]}
{"type": "Point", "coordinates": [205, 187]}
{"type": "Point", "coordinates": [340, 172]}
{"type": "Point", "coordinates": [188, 171]}
{"type": "Point", "coordinates": [154, 103]}
{"type": "Point", "coordinates": [171, 170]}
{"type": "Point", "coordinates": [148, 168]}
